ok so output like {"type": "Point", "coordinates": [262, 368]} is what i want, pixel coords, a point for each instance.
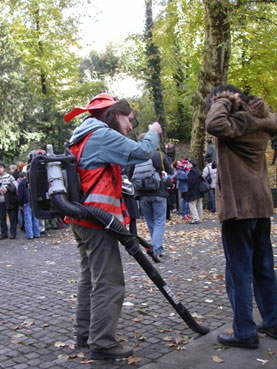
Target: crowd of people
{"type": "Point", "coordinates": [14, 204]}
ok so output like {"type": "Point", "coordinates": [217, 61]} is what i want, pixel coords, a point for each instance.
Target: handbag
{"type": "Point", "coordinates": [204, 185]}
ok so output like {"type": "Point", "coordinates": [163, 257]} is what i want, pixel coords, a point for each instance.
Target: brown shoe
{"type": "Point", "coordinates": [2, 236]}
{"type": "Point", "coordinates": [12, 236]}
{"type": "Point", "coordinates": [117, 352]}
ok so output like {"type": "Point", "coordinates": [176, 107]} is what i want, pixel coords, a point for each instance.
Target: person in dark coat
{"type": "Point", "coordinates": [242, 126]}
{"type": "Point", "coordinates": [194, 196]}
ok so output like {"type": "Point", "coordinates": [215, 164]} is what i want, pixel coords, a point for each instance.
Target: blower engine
{"type": "Point", "coordinates": [55, 190]}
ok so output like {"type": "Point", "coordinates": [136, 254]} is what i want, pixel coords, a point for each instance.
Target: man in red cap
{"type": "Point", "coordinates": [101, 147]}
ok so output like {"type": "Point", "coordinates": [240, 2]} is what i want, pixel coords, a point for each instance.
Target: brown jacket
{"type": "Point", "coordinates": [242, 133]}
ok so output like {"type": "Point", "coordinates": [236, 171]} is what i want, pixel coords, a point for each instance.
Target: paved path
{"type": "Point", "coordinates": [38, 299]}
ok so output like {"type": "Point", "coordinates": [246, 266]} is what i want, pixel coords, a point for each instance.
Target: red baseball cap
{"type": "Point", "coordinates": [100, 101]}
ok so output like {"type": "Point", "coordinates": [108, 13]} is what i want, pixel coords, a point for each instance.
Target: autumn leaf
{"type": "Point", "coordinates": [15, 342]}
{"type": "Point", "coordinates": [167, 338]}
{"type": "Point", "coordinates": [137, 318]}
{"type": "Point", "coordinates": [74, 356]}
{"type": "Point", "coordinates": [164, 330]}
{"type": "Point", "coordinates": [270, 352]}
{"type": "Point", "coordinates": [217, 359]}
{"type": "Point", "coordinates": [132, 360]}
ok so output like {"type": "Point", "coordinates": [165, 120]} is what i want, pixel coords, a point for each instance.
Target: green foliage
{"type": "Point", "coordinates": [254, 57]}
{"type": "Point", "coordinates": [41, 78]}
{"type": "Point", "coordinates": [47, 83]}
{"type": "Point", "coordinates": [45, 38]}
{"type": "Point", "coordinates": [12, 92]}
{"type": "Point", "coordinates": [99, 65]}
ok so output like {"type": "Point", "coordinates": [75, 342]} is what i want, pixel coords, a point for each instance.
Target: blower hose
{"type": "Point", "coordinates": [131, 243]}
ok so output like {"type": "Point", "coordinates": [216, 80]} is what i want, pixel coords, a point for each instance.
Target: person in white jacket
{"type": "Point", "coordinates": [209, 172]}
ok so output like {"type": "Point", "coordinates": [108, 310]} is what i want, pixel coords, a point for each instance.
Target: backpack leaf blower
{"type": "Point", "coordinates": [55, 190]}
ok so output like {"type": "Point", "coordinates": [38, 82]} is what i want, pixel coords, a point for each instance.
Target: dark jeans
{"type": "Point", "coordinates": [13, 219]}
{"type": "Point", "coordinates": [250, 266]}
{"type": "Point", "coordinates": [211, 200]}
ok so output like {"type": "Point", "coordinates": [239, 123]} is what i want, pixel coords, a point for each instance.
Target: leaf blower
{"type": "Point", "coordinates": [55, 190]}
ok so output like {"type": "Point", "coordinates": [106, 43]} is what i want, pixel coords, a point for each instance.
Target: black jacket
{"type": "Point", "coordinates": [193, 184]}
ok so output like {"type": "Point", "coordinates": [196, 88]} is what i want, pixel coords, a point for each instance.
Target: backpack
{"type": "Point", "coordinates": [204, 185]}
{"type": "Point", "coordinates": [145, 177]}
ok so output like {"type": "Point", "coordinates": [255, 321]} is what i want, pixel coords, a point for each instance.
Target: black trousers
{"type": "Point", "coordinates": [12, 217]}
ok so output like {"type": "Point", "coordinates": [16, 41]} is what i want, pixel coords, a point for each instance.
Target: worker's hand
{"type": "Point", "coordinates": [155, 127]}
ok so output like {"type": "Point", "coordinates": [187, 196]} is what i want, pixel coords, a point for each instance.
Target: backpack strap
{"type": "Point", "coordinates": [162, 160]}
{"type": "Point", "coordinates": [82, 142]}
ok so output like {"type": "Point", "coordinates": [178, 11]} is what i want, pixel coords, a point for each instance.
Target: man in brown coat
{"type": "Point", "coordinates": [242, 126]}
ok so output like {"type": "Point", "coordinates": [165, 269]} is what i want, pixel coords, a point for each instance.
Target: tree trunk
{"type": "Point", "coordinates": [214, 69]}
{"type": "Point", "coordinates": [153, 58]}
{"type": "Point", "coordinates": [40, 47]}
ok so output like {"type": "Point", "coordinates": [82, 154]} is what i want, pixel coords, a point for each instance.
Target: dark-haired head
{"type": "Point", "coordinates": [193, 162]}
{"type": "Point", "coordinates": [109, 115]}
{"type": "Point", "coordinates": [225, 88]}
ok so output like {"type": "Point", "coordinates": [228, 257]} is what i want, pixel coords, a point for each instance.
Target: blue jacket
{"type": "Point", "coordinates": [109, 146]}
{"type": "Point", "coordinates": [182, 176]}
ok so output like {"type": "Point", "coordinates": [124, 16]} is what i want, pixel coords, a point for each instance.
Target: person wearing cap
{"type": "Point", "coordinates": [101, 147]}
{"type": "Point", "coordinates": [8, 202]}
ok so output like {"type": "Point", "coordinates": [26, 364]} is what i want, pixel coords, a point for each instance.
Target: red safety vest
{"type": "Point", "coordinates": [106, 194]}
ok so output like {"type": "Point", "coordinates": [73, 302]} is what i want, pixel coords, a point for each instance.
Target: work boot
{"type": "Point", "coordinates": [231, 340]}
{"type": "Point", "coordinates": [269, 331]}
{"type": "Point", "coordinates": [156, 258]}
{"type": "Point", "coordinates": [116, 352]}
{"type": "Point", "coordinates": [81, 341]}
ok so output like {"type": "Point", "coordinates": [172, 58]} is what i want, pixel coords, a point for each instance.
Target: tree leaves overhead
{"type": "Point", "coordinates": [42, 77]}
{"type": "Point", "coordinates": [254, 57]}
{"type": "Point", "coordinates": [12, 91]}
{"type": "Point", "coordinates": [46, 37]}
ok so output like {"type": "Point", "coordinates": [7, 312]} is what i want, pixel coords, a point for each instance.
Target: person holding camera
{"type": "Point", "coordinates": [242, 126]}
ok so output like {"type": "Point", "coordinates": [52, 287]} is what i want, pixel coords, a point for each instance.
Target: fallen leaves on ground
{"type": "Point", "coordinates": [132, 360]}
{"type": "Point", "coordinates": [217, 359]}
